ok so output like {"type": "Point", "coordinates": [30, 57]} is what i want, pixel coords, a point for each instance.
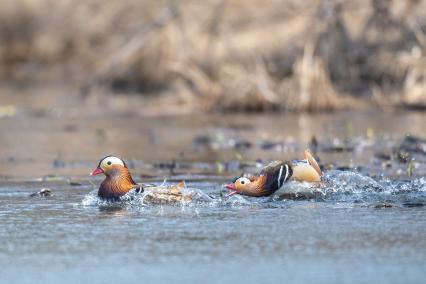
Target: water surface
{"type": "Point", "coordinates": [368, 226]}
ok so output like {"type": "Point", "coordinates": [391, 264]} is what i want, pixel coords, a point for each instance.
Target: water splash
{"type": "Point", "coordinates": [146, 198]}
{"type": "Point", "coordinates": [336, 187]}
{"type": "Point", "coordinates": [346, 186]}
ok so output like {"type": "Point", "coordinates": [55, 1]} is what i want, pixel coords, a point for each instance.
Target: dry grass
{"type": "Point", "coordinates": [415, 82]}
{"type": "Point", "coordinates": [225, 54]}
{"type": "Point", "coordinates": [311, 87]}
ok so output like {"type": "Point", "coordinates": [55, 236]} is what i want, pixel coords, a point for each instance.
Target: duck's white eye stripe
{"type": "Point", "coordinates": [112, 161]}
{"type": "Point", "coordinates": [244, 180]}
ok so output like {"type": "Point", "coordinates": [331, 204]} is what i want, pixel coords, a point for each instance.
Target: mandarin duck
{"type": "Point", "coordinates": [273, 176]}
{"type": "Point", "coordinates": [118, 181]}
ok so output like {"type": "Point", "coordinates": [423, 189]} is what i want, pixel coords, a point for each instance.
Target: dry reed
{"type": "Point", "coordinates": [225, 54]}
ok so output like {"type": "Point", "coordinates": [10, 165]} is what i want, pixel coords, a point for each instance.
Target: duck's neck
{"type": "Point", "coordinates": [116, 184]}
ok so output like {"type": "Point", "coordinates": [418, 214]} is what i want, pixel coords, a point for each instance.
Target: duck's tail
{"type": "Point", "coordinates": [307, 169]}
{"type": "Point", "coordinates": [311, 160]}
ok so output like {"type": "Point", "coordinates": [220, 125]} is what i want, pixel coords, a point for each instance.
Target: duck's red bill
{"type": "Point", "coordinates": [232, 190]}
{"type": "Point", "coordinates": [230, 186]}
{"type": "Point", "coordinates": [97, 171]}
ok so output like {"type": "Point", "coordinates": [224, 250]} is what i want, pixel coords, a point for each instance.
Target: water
{"type": "Point", "coordinates": [342, 237]}
{"type": "Point", "coordinates": [366, 225]}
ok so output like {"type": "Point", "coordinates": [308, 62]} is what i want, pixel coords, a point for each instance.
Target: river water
{"type": "Point", "coordinates": [368, 225]}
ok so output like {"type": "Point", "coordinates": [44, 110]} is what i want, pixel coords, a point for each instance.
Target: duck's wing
{"type": "Point", "coordinates": [139, 188]}
{"type": "Point", "coordinates": [277, 173]}
{"type": "Point", "coordinates": [304, 171]}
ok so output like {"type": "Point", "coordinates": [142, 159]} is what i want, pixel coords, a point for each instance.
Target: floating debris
{"type": "Point", "coordinates": [44, 192]}
{"type": "Point", "coordinates": [73, 183]}
{"type": "Point", "coordinates": [171, 167]}
{"type": "Point", "coordinates": [402, 156]}
{"type": "Point", "coordinates": [383, 156]}
{"type": "Point", "coordinates": [413, 144]}
{"type": "Point", "coordinates": [201, 141]}
{"type": "Point", "coordinates": [271, 145]}
{"type": "Point", "coordinates": [334, 145]}
{"type": "Point", "coordinates": [58, 163]}
{"type": "Point", "coordinates": [337, 145]}
{"type": "Point", "coordinates": [383, 205]}
{"type": "Point", "coordinates": [241, 144]}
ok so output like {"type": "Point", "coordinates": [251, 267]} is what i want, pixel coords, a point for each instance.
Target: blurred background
{"type": "Point", "coordinates": [73, 71]}
{"type": "Point", "coordinates": [219, 54]}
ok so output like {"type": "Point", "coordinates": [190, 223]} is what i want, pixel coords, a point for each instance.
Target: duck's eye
{"type": "Point", "coordinates": [244, 181]}
{"type": "Point", "coordinates": [109, 163]}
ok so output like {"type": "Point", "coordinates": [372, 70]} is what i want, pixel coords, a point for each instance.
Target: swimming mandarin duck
{"type": "Point", "coordinates": [118, 180]}
{"type": "Point", "coordinates": [273, 176]}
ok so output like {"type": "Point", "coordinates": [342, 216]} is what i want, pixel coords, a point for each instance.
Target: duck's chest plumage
{"type": "Point", "coordinates": [115, 187]}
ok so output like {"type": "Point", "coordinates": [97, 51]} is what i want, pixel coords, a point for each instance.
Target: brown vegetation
{"type": "Point", "coordinates": [226, 54]}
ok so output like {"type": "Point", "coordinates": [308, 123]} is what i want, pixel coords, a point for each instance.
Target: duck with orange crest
{"type": "Point", "coordinates": [118, 182]}
{"type": "Point", "coordinates": [273, 177]}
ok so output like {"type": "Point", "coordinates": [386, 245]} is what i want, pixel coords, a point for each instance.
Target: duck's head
{"type": "Point", "coordinates": [238, 185]}
{"type": "Point", "coordinates": [110, 165]}
{"type": "Point", "coordinates": [252, 186]}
